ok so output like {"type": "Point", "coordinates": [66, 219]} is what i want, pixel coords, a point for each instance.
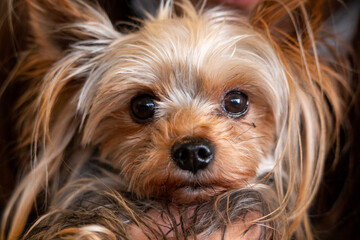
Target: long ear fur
{"type": "Point", "coordinates": [318, 94]}
{"type": "Point", "coordinates": [56, 26]}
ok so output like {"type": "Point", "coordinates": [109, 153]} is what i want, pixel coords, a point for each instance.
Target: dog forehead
{"type": "Point", "coordinates": [196, 36]}
{"type": "Point", "coordinates": [179, 50]}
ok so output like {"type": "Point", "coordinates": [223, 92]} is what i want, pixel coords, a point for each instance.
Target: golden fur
{"type": "Point", "coordinates": [80, 75]}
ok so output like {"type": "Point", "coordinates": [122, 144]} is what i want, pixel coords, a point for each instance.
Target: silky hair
{"type": "Point", "coordinates": [77, 66]}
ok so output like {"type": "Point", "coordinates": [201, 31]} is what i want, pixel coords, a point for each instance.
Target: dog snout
{"type": "Point", "coordinates": [193, 153]}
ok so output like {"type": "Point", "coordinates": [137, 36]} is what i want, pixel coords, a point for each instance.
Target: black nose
{"type": "Point", "coordinates": [193, 154]}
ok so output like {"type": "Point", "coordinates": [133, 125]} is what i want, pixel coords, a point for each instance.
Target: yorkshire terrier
{"type": "Point", "coordinates": [197, 122]}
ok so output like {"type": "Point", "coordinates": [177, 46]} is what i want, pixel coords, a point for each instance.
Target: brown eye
{"type": "Point", "coordinates": [235, 103]}
{"type": "Point", "coordinates": [142, 108]}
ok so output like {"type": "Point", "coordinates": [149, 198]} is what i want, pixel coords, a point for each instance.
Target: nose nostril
{"type": "Point", "coordinates": [182, 154]}
{"type": "Point", "coordinates": [204, 154]}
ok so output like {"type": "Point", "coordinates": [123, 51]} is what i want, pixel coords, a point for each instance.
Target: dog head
{"type": "Point", "coordinates": [186, 107]}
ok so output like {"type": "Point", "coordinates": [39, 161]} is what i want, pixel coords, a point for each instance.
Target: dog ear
{"type": "Point", "coordinates": [57, 24]}
{"type": "Point", "coordinates": [289, 20]}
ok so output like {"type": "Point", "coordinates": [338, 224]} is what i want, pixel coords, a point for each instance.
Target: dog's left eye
{"type": "Point", "coordinates": [235, 103]}
{"type": "Point", "coordinates": [142, 108]}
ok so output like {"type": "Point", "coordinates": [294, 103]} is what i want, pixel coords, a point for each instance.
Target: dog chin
{"type": "Point", "coordinates": [194, 194]}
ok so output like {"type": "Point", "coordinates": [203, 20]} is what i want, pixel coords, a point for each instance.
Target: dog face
{"type": "Point", "coordinates": [186, 107]}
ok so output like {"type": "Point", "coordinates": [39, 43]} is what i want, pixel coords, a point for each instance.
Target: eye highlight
{"type": "Point", "coordinates": [142, 108]}
{"type": "Point", "coordinates": [235, 103]}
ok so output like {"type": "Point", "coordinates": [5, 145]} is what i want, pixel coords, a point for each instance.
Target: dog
{"type": "Point", "coordinates": [194, 123]}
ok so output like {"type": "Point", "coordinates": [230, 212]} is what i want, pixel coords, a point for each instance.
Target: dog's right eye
{"type": "Point", "coordinates": [142, 108]}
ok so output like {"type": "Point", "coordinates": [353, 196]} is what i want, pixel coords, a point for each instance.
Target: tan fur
{"type": "Point", "coordinates": [81, 75]}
